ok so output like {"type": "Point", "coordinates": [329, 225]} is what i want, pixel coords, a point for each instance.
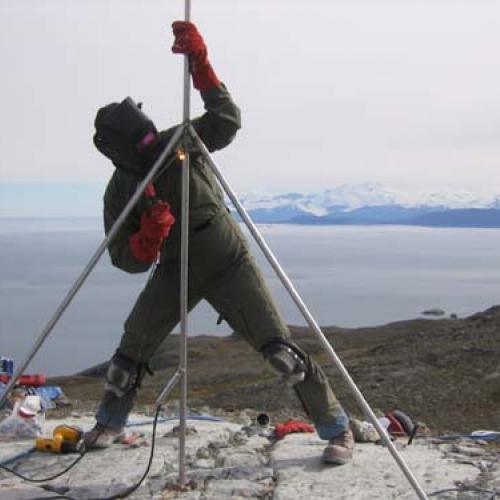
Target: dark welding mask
{"type": "Point", "coordinates": [126, 135]}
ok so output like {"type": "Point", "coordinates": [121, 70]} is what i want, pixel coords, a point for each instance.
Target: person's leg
{"type": "Point", "coordinates": [242, 298]}
{"type": "Point", "coordinates": [153, 317]}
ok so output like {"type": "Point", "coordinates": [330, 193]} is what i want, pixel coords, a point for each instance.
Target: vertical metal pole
{"type": "Point", "coordinates": [273, 261]}
{"type": "Point", "coordinates": [184, 267]}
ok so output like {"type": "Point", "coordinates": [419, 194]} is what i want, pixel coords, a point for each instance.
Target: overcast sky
{"type": "Point", "coordinates": [400, 92]}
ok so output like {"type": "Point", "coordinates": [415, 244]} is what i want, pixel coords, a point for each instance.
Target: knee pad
{"type": "Point", "coordinates": [124, 375]}
{"type": "Point", "coordinates": [287, 359]}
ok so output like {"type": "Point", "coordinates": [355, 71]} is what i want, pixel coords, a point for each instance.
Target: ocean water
{"type": "Point", "coordinates": [348, 276]}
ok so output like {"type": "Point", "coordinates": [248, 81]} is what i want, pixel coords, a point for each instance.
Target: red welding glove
{"type": "Point", "coordinates": [155, 227]}
{"type": "Point", "coordinates": [281, 430]}
{"type": "Point", "coordinates": [188, 41]}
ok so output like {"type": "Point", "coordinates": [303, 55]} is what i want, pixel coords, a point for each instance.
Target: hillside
{"type": "Point", "coordinates": [443, 372]}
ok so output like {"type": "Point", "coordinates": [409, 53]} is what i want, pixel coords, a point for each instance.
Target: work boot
{"type": "Point", "coordinates": [339, 449]}
{"type": "Point", "coordinates": [101, 437]}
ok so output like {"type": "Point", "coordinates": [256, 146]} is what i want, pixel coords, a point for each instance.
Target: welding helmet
{"type": "Point", "coordinates": [126, 135]}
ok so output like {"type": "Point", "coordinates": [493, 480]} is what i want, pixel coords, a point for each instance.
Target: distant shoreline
{"type": "Point", "coordinates": [304, 222]}
{"type": "Point", "coordinates": [466, 218]}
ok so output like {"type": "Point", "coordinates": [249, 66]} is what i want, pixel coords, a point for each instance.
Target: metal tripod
{"type": "Point", "coordinates": [184, 135]}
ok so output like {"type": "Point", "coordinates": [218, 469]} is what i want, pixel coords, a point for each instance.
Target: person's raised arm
{"type": "Point", "coordinates": [218, 126]}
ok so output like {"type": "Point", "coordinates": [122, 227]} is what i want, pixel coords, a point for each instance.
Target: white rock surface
{"type": "Point", "coordinates": [223, 465]}
{"type": "Point", "coordinates": [373, 473]}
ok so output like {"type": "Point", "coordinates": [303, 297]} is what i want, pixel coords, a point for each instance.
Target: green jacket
{"type": "Point", "coordinates": [217, 127]}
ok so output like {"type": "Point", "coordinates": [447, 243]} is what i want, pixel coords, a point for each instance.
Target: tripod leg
{"type": "Point", "coordinates": [176, 377]}
{"type": "Point", "coordinates": [92, 263]}
{"type": "Point", "coordinates": [308, 316]}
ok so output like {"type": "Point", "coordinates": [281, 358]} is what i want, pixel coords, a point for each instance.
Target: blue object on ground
{"type": "Point", "coordinates": [476, 435]}
{"type": "Point", "coordinates": [49, 391]}
{"type": "Point", "coordinates": [168, 419]}
{"type": "Point", "coordinates": [47, 394]}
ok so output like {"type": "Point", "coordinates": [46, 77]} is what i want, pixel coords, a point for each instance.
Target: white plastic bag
{"type": "Point", "coordinates": [25, 421]}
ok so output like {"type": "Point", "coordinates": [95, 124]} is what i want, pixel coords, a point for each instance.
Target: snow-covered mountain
{"type": "Point", "coordinates": [369, 203]}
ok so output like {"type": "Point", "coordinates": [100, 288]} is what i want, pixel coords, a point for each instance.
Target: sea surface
{"type": "Point", "coordinates": [348, 276]}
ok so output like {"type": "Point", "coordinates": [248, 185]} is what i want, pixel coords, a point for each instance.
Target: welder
{"type": "Point", "coordinates": [222, 271]}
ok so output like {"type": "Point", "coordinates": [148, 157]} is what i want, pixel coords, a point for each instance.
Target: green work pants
{"type": "Point", "coordinates": [222, 272]}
